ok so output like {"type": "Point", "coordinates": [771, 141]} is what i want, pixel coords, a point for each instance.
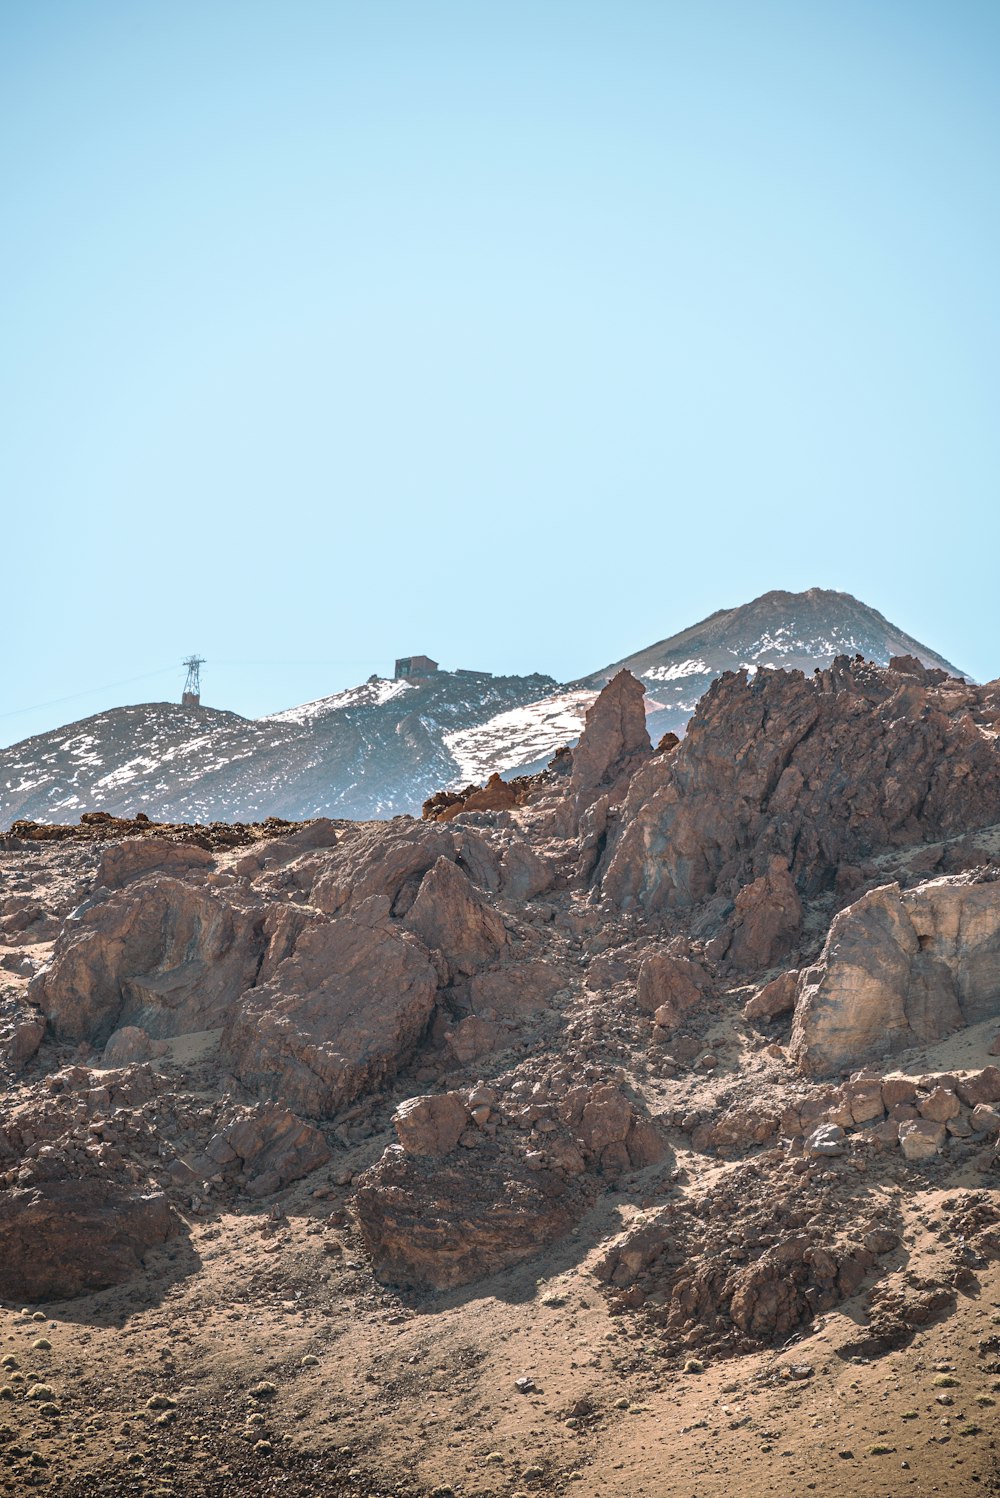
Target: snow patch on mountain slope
{"type": "Point", "coordinates": [523, 735]}
{"type": "Point", "coordinates": [518, 736]}
{"type": "Point", "coordinates": [677, 671]}
{"type": "Point", "coordinates": [369, 694]}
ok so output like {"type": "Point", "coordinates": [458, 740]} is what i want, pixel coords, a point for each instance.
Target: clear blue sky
{"type": "Point", "coordinates": [522, 334]}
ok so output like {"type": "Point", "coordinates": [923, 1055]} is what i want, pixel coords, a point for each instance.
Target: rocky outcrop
{"type": "Point", "coordinates": [264, 1148]}
{"type": "Point", "coordinates": [614, 742]}
{"type": "Point", "coordinates": [900, 968]}
{"type": "Point", "coordinates": [818, 772]}
{"type": "Point", "coordinates": [431, 1125]}
{"type": "Point", "coordinates": [122, 862]}
{"type": "Point", "coordinates": [165, 955]}
{"type": "Point", "coordinates": [339, 1015]}
{"type": "Point", "coordinates": [767, 918]}
{"type": "Point", "coordinates": [480, 1181]}
{"type": "Point", "coordinates": [447, 1223]}
{"type": "Point", "coordinates": [776, 997]}
{"type": "Point", "coordinates": [384, 864]}
{"type": "Point", "coordinates": [450, 917]}
{"type": "Point", "coordinates": [669, 987]}
{"type": "Point", "coordinates": [61, 1237]}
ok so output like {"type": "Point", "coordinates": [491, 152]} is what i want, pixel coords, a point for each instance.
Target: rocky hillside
{"type": "Point", "coordinates": [797, 631]}
{"type": "Point", "coordinates": [497, 1151]}
{"type": "Point", "coordinates": [373, 751]}
{"type": "Point", "coordinates": [379, 749]}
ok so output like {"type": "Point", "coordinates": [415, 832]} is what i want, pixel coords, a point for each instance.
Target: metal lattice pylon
{"type": "Point", "coordinates": [192, 683]}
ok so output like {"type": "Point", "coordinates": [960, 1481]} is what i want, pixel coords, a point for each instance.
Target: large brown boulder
{"type": "Point", "coordinates": [431, 1125]}
{"type": "Point", "coordinates": [452, 918]}
{"type": "Point", "coordinates": [133, 857]}
{"type": "Point", "coordinates": [337, 1017]}
{"type": "Point", "coordinates": [900, 968]}
{"type": "Point", "coordinates": [65, 1237]}
{"type": "Point", "coordinates": [165, 955]}
{"type": "Point", "coordinates": [384, 863]}
{"type": "Point", "coordinates": [443, 1223]}
{"type": "Point", "coordinates": [615, 740]}
{"type": "Point", "coordinates": [817, 771]}
{"type": "Point", "coordinates": [268, 1146]}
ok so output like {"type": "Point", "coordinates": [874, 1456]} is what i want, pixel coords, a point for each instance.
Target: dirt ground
{"type": "Point", "coordinates": [263, 1357]}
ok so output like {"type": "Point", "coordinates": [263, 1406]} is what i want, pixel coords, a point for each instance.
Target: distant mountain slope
{"type": "Point", "coordinates": [372, 751]}
{"type": "Point", "coordinates": [798, 631]}
{"type": "Point", "coordinates": [383, 747]}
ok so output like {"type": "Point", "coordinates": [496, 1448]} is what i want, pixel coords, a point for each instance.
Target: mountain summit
{"type": "Point", "coordinates": [379, 749]}
{"type": "Point", "coordinates": [796, 631]}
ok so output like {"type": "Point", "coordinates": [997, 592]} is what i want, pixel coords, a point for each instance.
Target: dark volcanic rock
{"type": "Point", "coordinates": [60, 1238]}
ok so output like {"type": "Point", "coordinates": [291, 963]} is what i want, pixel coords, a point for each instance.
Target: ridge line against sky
{"type": "Point", "coordinates": [519, 336]}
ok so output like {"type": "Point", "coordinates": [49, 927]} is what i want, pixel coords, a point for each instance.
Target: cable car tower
{"type": "Point", "coordinates": [191, 696]}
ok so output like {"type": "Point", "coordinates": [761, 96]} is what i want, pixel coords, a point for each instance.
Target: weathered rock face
{"type": "Point", "coordinates": [767, 918]}
{"type": "Point", "coordinates": [268, 1146]}
{"type": "Point", "coordinates": [446, 1223]}
{"type": "Point", "coordinates": [339, 1015]}
{"type": "Point", "coordinates": [457, 1200]}
{"type": "Point", "coordinates": [449, 917]}
{"type": "Point", "coordinates": [431, 1125]}
{"type": "Point", "coordinates": [776, 997]}
{"type": "Point", "coordinates": [165, 955]}
{"type": "Point", "coordinates": [614, 742]}
{"type": "Point", "coordinates": [21, 1032]}
{"type": "Point", "coordinates": [516, 990]}
{"type": "Point", "coordinates": [669, 987]}
{"type": "Point", "coordinates": [129, 1045]}
{"type": "Point", "coordinates": [385, 864]}
{"type": "Point", "coordinates": [132, 857]}
{"type": "Point", "coordinates": [62, 1237]}
{"type": "Point", "coordinates": [900, 968]}
{"type": "Point", "coordinates": [819, 772]}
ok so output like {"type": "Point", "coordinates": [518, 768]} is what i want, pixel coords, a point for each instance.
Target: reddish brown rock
{"type": "Point", "coordinates": [922, 1138]}
{"type": "Point", "coordinates": [267, 1145]}
{"type": "Point", "coordinates": [63, 1237]}
{"type": "Point", "coordinates": [167, 955]}
{"type": "Point", "coordinates": [939, 1105]}
{"type": "Point", "coordinates": [767, 918]}
{"type": "Point", "coordinates": [669, 987]}
{"type": "Point", "coordinates": [776, 997]}
{"type": "Point", "coordinates": [337, 1017]}
{"type": "Point", "coordinates": [515, 991]}
{"type": "Point", "coordinates": [381, 863]}
{"type": "Point", "coordinates": [612, 1133]}
{"type": "Point", "coordinates": [615, 740]}
{"type": "Point", "coordinates": [133, 857]}
{"type": "Point", "coordinates": [436, 1223]}
{"type": "Point", "coordinates": [979, 1087]}
{"type": "Point", "coordinates": [450, 917]}
{"type": "Point", "coordinates": [130, 1044]}
{"type": "Point", "coordinates": [22, 1030]}
{"type": "Point", "coordinates": [818, 772]}
{"type": "Point", "coordinates": [431, 1125]}
{"type": "Point", "coordinates": [473, 1037]}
